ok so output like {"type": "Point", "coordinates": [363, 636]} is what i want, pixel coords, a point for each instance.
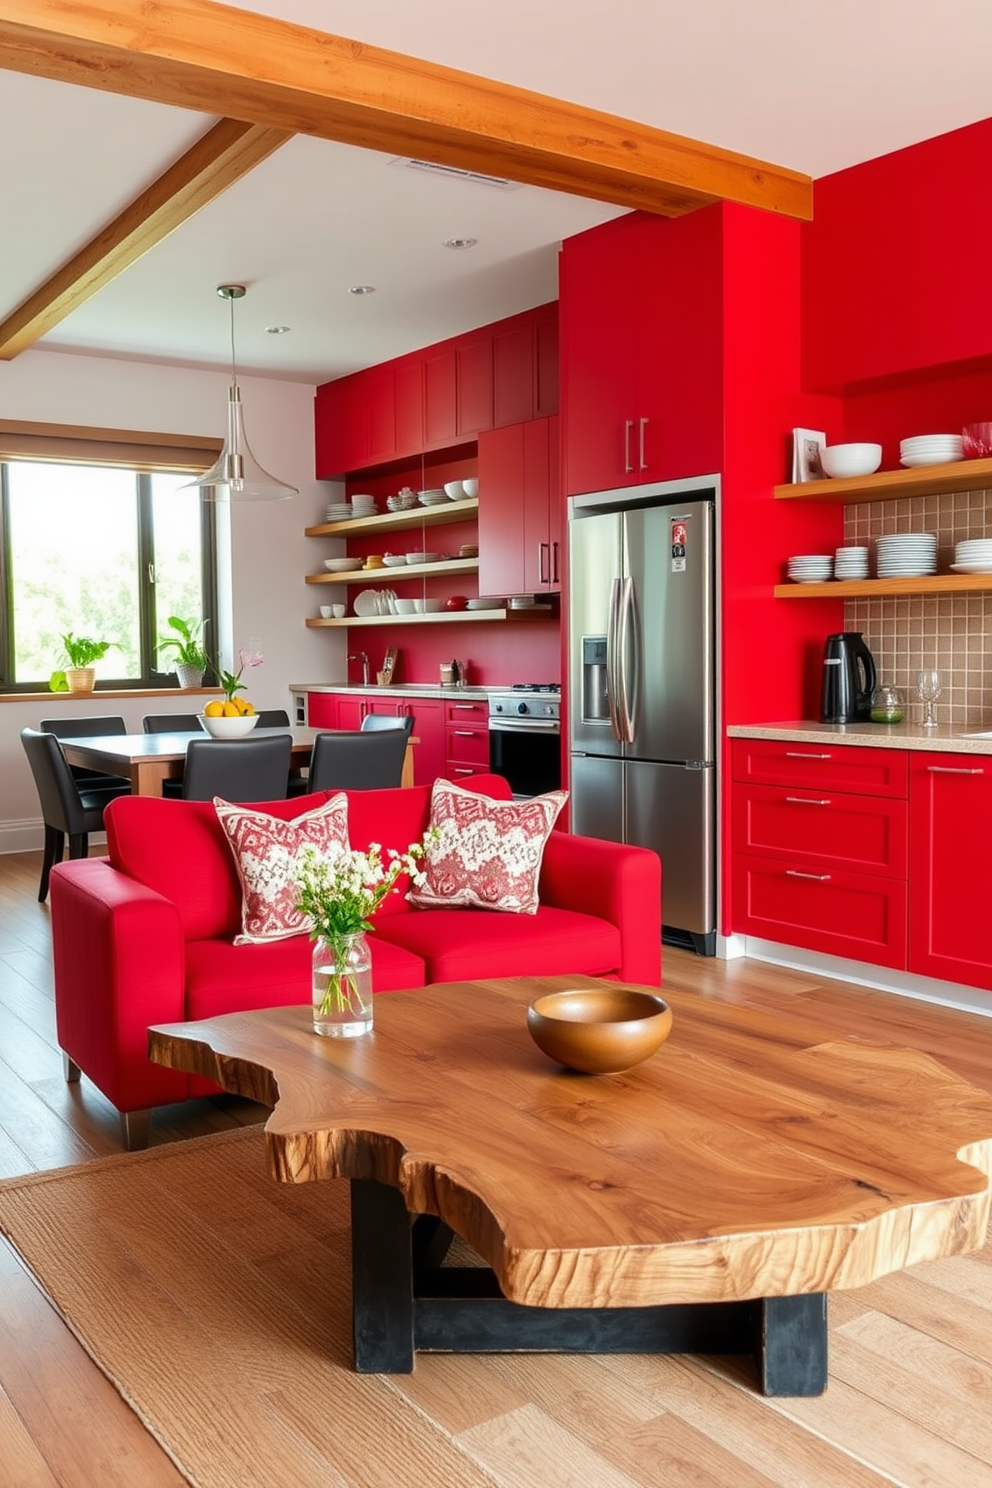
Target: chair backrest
{"type": "Point", "coordinates": [171, 723]}
{"type": "Point", "coordinates": [355, 760]}
{"type": "Point", "coordinates": [373, 722]}
{"type": "Point", "coordinates": [273, 718]}
{"type": "Point", "coordinates": [61, 806]}
{"type": "Point", "coordinates": [237, 769]}
{"type": "Point", "coordinates": [82, 728]}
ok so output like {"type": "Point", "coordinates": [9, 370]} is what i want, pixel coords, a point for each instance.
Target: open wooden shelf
{"type": "Point", "coordinates": [889, 485]}
{"type": "Point", "coordinates": [445, 617]}
{"type": "Point", "coordinates": [387, 577]}
{"type": "Point", "coordinates": [880, 588]}
{"type": "Point", "coordinates": [465, 510]}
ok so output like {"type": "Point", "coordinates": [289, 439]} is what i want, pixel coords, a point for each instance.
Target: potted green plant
{"type": "Point", "coordinates": [80, 652]}
{"type": "Point", "coordinates": [190, 659]}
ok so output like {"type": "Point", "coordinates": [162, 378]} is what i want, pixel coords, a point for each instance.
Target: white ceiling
{"type": "Point", "coordinates": [807, 84]}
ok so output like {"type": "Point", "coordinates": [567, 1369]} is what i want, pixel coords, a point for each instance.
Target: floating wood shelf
{"type": "Point", "coordinates": [889, 485]}
{"type": "Point", "coordinates": [466, 510]}
{"type": "Point", "coordinates": [445, 617]}
{"type": "Point", "coordinates": [387, 577]}
{"type": "Point", "coordinates": [882, 588]}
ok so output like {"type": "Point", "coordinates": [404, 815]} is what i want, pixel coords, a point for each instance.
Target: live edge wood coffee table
{"type": "Point", "coordinates": [705, 1201]}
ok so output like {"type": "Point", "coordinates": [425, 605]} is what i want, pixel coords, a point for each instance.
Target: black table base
{"type": "Point", "coordinates": [405, 1301]}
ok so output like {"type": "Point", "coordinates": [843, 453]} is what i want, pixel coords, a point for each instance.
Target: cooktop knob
{"type": "Point", "coordinates": [522, 708]}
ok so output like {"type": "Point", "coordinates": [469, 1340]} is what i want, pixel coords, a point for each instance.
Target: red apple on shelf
{"type": "Point", "coordinates": [456, 602]}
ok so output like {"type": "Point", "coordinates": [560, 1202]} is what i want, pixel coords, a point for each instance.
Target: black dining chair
{"type": "Point", "coordinates": [84, 728]}
{"type": "Point", "coordinates": [171, 723]}
{"type": "Point", "coordinates": [237, 769]}
{"type": "Point", "coordinates": [273, 718]}
{"type": "Point", "coordinates": [376, 722]}
{"type": "Point", "coordinates": [67, 810]}
{"type": "Point", "coordinates": [353, 760]}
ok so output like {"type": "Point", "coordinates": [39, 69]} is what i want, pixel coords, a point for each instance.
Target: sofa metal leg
{"type": "Point", "coordinates": [135, 1127]}
{"type": "Point", "coordinates": [70, 1069]}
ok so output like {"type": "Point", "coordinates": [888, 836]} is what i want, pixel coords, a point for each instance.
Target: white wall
{"type": "Point", "coordinates": [269, 554]}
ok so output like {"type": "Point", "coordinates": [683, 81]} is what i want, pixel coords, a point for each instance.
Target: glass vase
{"type": "Point", "coordinates": [342, 986]}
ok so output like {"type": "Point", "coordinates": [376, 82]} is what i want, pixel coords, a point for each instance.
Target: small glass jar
{"type": "Point", "coordinates": [887, 705]}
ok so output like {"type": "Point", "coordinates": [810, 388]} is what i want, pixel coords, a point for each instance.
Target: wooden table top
{"type": "Point", "coordinates": [738, 1161]}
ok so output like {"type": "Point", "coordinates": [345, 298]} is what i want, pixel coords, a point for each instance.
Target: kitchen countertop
{"type": "Point", "coordinates": [946, 739]}
{"type": "Point", "coordinates": [400, 689]}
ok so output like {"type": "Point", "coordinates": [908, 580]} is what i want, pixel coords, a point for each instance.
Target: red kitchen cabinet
{"type": "Point", "coordinates": [525, 367]}
{"type": "Point", "coordinates": [428, 727]}
{"type": "Point", "coordinates": [856, 915]}
{"type": "Point", "coordinates": [466, 726]}
{"type": "Point", "coordinates": [440, 397]}
{"type": "Point", "coordinates": [520, 509]}
{"type": "Point", "coordinates": [322, 709]}
{"type": "Point", "coordinates": [378, 391]}
{"type": "Point", "coordinates": [408, 391]}
{"type": "Point", "coordinates": [641, 346]}
{"type": "Point", "coordinates": [950, 884]}
{"type": "Point", "coordinates": [838, 767]}
{"type": "Point", "coordinates": [474, 385]}
{"type": "Point", "coordinates": [341, 427]}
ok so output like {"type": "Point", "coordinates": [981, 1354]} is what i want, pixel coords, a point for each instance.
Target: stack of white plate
{"type": "Point", "coordinates": [811, 568]}
{"type": "Point", "coordinates": [363, 506]}
{"type": "Point", "coordinates": [930, 449]}
{"type": "Point", "coordinates": [906, 555]}
{"type": "Point", "coordinates": [851, 563]}
{"type": "Point", "coordinates": [337, 511]}
{"type": "Point", "coordinates": [402, 502]}
{"type": "Point", "coordinates": [434, 498]}
{"type": "Point", "coordinates": [973, 556]}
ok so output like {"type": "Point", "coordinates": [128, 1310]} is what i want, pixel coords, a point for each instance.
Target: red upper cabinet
{"type": "Point", "coordinates": [341, 427]}
{"type": "Point", "coordinates": [888, 290]}
{"type": "Point", "coordinates": [520, 509]}
{"type": "Point", "coordinates": [440, 398]}
{"type": "Point", "coordinates": [641, 345]}
{"type": "Point", "coordinates": [525, 366]}
{"type": "Point", "coordinates": [474, 385]}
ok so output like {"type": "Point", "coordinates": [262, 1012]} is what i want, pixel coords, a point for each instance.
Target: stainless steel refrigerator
{"type": "Point", "coordinates": [642, 695]}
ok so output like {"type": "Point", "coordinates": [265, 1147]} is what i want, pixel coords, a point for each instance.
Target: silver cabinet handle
{"type": "Point", "coordinates": [805, 801]}
{"type": "Point", "coordinates": [804, 754]}
{"type": "Point", "coordinates": [466, 707]}
{"type": "Point", "coordinates": [457, 770]}
{"type": "Point", "coordinates": [949, 770]}
{"type": "Point", "coordinates": [817, 877]}
{"type": "Point", "coordinates": [640, 443]}
{"type": "Point", "coordinates": [628, 424]}
{"type": "Point", "coordinates": [466, 733]}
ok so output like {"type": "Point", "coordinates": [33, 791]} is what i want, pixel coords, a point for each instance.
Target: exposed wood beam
{"type": "Point", "coordinates": [196, 54]}
{"type": "Point", "coordinates": [224, 154]}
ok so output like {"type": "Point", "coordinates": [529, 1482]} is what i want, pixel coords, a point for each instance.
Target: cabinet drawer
{"type": "Point", "coordinates": [860, 834]}
{"type": "Point", "coordinates": [322, 709]}
{"type": "Point", "coordinates": [461, 715]}
{"type": "Point", "coordinates": [868, 771]}
{"type": "Point", "coordinates": [468, 744]}
{"type": "Point", "coordinates": [858, 915]}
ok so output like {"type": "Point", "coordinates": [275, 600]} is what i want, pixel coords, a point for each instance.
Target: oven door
{"type": "Point", "coordinates": [527, 754]}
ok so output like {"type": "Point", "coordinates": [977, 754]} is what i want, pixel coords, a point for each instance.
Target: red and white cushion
{"type": "Point", "coordinates": [266, 853]}
{"type": "Point", "coordinates": [487, 853]}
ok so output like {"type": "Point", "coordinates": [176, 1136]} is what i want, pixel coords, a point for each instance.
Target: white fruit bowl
{"type": "Point", "coordinates": [228, 728]}
{"type": "Point", "coordinates": [839, 460]}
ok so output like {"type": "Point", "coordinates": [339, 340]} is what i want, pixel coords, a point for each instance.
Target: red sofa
{"type": "Point", "coordinates": [145, 935]}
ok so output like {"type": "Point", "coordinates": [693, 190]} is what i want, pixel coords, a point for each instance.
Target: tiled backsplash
{"type": "Point", "coordinates": [948, 631]}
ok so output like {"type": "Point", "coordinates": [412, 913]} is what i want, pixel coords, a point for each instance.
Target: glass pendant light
{"type": "Point", "coordinates": [236, 475]}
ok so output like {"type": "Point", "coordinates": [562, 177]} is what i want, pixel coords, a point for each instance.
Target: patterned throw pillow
{"type": "Point", "coordinates": [266, 853]}
{"type": "Point", "coordinates": [487, 853]}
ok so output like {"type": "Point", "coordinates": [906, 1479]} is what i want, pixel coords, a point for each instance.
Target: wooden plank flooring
{"type": "Point", "coordinates": [922, 1353]}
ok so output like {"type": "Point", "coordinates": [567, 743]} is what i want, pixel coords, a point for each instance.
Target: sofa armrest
{"type": "Point", "coordinates": [619, 883]}
{"type": "Point", "coordinates": [119, 960]}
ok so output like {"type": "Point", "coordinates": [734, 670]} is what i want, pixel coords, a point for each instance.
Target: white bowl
{"type": "Point", "coordinates": [418, 606]}
{"type": "Point", "coordinates": [326, 611]}
{"type": "Point", "coordinates": [394, 560]}
{"type": "Point", "coordinates": [432, 606]}
{"type": "Point", "coordinates": [405, 606]}
{"type": "Point", "coordinates": [839, 460]}
{"type": "Point", "coordinates": [455, 489]}
{"type": "Point", "coordinates": [228, 728]}
{"type": "Point", "coordinates": [471, 486]}
{"type": "Point", "coordinates": [343, 565]}
{"type": "Point", "coordinates": [415, 557]}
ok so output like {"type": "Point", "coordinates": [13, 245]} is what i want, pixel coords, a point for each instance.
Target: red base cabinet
{"type": "Point", "coordinates": [950, 885]}
{"type": "Point", "coordinates": [819, 866]}
{"type": "Point", "coordinates": [466, 733]}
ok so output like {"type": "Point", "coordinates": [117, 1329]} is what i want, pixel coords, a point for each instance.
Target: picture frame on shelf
{"type": "Point", "coordinates": [806, 447]}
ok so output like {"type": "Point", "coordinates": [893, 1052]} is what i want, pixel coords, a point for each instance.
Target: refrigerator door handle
{"type": "Point", "coordinates": [624, 708]}
{"type": "Point", "coordinates": [611, 657]}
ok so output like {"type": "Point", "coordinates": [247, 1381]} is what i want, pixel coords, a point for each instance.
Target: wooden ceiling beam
{"type": "Point", "coordinates": [233, 63]}
{"type": "Point", "coordinates": [224, 154]}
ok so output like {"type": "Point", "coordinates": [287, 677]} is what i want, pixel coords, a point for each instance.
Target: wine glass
{"type": "Point", "coordinates": [928, 691]}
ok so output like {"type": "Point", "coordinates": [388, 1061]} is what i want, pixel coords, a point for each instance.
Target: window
{"type": "Point", "coordinates": [104, 549]}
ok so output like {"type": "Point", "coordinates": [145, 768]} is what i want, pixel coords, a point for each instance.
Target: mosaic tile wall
{"type": "Point", "coordinates": [950, 632]}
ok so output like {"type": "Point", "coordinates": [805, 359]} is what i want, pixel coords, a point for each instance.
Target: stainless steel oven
{"type": "Point", "coordinates": [525, 737]}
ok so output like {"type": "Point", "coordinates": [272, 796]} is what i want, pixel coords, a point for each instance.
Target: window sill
{"type": "Point", "coordinates": [108, 692]}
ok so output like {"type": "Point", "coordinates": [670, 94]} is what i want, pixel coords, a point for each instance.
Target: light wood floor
{"type": "Point", "coordinates": [63, 1426]}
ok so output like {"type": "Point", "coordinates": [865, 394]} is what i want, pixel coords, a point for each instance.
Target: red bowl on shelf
{"type": "Point", "coordinates": [976, 441]}
{"type": "Point", "coordinates": [456, 602]}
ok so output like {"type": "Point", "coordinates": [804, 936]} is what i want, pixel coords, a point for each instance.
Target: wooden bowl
{"type": "Point", "coordinates": [599, 1030]}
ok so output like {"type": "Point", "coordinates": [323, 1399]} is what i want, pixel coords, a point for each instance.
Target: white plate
{"type": "Point", "coordinates": [367, 603]}
{"type": "Point", "coordinates": [935, 459]}
{"type": "Point", "coordinates": [978, 568]}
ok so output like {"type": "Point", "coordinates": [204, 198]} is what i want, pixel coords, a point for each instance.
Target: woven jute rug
{"type": "Point", "coordinates": [218, 1302]}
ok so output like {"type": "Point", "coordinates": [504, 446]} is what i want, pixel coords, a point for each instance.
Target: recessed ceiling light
{"type": "Point", "coordinates": [277, 330]}
{"type": "Point", "coordinates": [459, 242]}
{"type": "Point", "coordinates": [362, 289]}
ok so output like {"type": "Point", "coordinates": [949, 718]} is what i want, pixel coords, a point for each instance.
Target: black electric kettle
{"type": "Point", "coordinates": [848, 678]}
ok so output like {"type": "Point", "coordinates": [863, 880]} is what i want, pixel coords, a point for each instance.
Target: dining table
{"type": "Point", "coordinates": [149, 759]}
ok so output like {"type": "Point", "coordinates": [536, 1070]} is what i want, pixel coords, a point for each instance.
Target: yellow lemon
{"type": "Point", "coordinates": [230, 710]}
{"type": "Point", "coordinates": [248, 710]}
{"type": "Point", "coordinates": [214, 710]}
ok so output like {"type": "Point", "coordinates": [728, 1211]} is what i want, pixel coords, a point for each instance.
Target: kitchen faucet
{"type": "Point", "coordinates": [363, 658]}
